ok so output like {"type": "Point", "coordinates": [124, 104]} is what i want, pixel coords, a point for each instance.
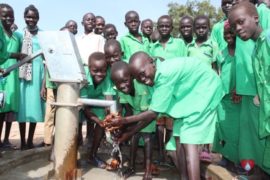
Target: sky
{"type": "Point", "coordinates": [55, 13]}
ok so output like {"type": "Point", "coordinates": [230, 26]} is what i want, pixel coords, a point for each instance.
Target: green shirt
{"type": "Point", "coordinates": [207, 51]}
{"type": "Point", "coordinates": [184, 86]}
{"type": "Point", "coordinates": [245, 80]}
{"type": "Point", "coordinates": [4, 54]}
{"type": "Point", "coordinates": [139, 102]}
{"type": "Point", "coordinates": [262, 74]}
{"type": "Point", "coordinates": [264, 16]}
{"type": "Point", "coordinates": [217, 34]}
{"type": "Point", "coordinates": [99, 92]}
{"type": "Point", "coordinates": [10, 84]}
{"type": "Point", "coordinates": [175, 47]}
{"type": "Point", "coordinates": [49, 84]}
{"type": "Point", "coordinates": [227, 74]}
{"type": "Point", "coordinates": [130, 45]}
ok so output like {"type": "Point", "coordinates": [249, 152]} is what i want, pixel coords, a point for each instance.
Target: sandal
{"type": "Point", "coordinates": [154, 170]}
{"type": "Point", "coordinates": [97, 162]}
{"type": "Point", "coordinates": [205, 157]}
{"type": "Point", "coordinates": [128, 172]}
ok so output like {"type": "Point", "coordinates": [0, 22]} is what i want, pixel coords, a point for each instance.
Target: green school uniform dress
{"type": "Point", "coordinates": [251, 146]}
{"type": "Point", "coordinates": [32, 106]}
{"type": "Point", "coordinates": [139, 103]}
{"type": "Point", "coordinates": [264, 16]}
{"type": "Point", "coordinates": [99, 92]}
{"type": "Point", "coordinates": [217, 34]}
{"type": "Point", "coordinates": [4, 54]}
{"type": "Point", "coordinates": [10, 84]}
{"type": "Point", "coordinates": [207, 51]}
{"type": "Point", "coordinates": [227, 127]}
{"type": "Point", "coordinates": [189, 91]}
{"type": "Point", "coordinates": [262, 74]}
{"type": "Point", "coordinates": [130, 45]}
{"type": "Point", "coordinates": [175, 47]}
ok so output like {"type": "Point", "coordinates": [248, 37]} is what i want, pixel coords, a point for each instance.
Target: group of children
{"type": "Point", "coordinates": [194, 90]}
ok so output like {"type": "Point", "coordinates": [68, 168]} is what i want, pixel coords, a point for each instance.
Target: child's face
{"type": "Point", "coordinates": [229, 36]}
{"type": "Point", "coordinates": [147, 28]}
{"type": "Point", "coordinates": [7, 17]}
{"type": "Point", "coordinates": [113, 54]}
{"type": "Point", "coordinates": [123, 81]}
{"type": "Point", "coordinates": [100, 23]}
{"type": "Point", "coordinates": [164, 27]}
{"type": "Point", "coordinates": [72, 27]}
{"type": "Point", "coordinates": [226, 5]}
{"type": "Point", "coordinates": [98, 70]}
{"type": "Point", "coordinates": [89, 22]}
{"type": "Point", "coordinates": [201, 28]}
{"type": "Point", "coordinates": [31, 19]}
{"type": "Point", "coordinates": [146, 73]}
{"type": "Point", "coordinates": [132, 23]}
{"type": "Point", "coordinates": [110, 33]}
{"type": "Point", "coordinates": [186, 27]}
{"type": "Point", "coordinates": [243, 23]}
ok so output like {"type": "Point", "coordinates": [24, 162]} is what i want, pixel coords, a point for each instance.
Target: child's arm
{"type": "Point", "coordinates": [92, 116]}
{"type": "Point", "coordinates": [144, 116]}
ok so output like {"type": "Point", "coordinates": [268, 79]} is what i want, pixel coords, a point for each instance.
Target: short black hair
{"type": "Point", "coordinates": [31, 7]}
{"type": "Point", "coordinates": [202, 17]}
{"type": "Point", "coordinates": [97, 56]}
{"type": "Point", "coordinates": [112, 42]}
{"type": "Point", "coordinates": [247, 6]}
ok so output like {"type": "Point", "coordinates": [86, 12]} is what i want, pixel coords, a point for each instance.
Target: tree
{"type": "Point", "coordinates": [193, 8]}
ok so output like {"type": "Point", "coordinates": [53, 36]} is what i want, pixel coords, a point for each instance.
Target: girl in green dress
{"type": "Point", "coordinates": [31, 108]}
{"type": "Point", "coordinates": [10, 84]}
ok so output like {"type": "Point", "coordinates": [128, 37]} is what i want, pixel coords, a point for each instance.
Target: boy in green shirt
{"type": "Point", "coordinates": [202, 47]}
{"type": "Point", "coordinates": [186, 29]}
{"type": "Point", "coordinates": [147, 28]}
{"type": "Point", "coordinates": [167, 47]}
{"type": "Point", "coordinates": [98, 87]}
{"type": "Point", "coordinates": [133, 41]}
{"type": "Point", "coordinates": [135, 98]}
{"type": "Point", "coordinates": [244, 19]}
{"type": "Point", "coordinates": [175, 83]}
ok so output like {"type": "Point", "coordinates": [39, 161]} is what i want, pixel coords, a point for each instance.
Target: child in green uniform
{"type": "Point", "coordinates": [218, 28]}
{"type": "Point", "coordinates": [147, 28]}
{"type": "Point", "coordinates": [10, 84]}
{"type": "Point", "coordinates": [167, 47]}
{"type": "Point", "coordinates": [174, 84]}
{"type": "Point", "coordinates": [135, 98]}
{"type": "Point", "coordinates": [202, 47]}
{"type": "Point", "coordinates": [186, 29]}
{"type": "Point", "coordinates": [133, 41]}
{"type": "Point", "coordinates": [99, 87]}
{"type": "Point", "coordinates": [110, 32]}
{"type": "Point", "coordinates": [227, 132]}
{"type": "Point", "coordinates": [244, 19]}
{"type": "Point", "coordinates": [32, 105]}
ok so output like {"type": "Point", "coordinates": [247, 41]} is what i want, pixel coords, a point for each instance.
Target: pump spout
{"type": "Point", "coordinates": [100, 103]}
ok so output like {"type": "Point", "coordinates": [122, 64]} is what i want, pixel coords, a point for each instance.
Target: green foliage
{"type": "Point", "coordinates": [193, 8]}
